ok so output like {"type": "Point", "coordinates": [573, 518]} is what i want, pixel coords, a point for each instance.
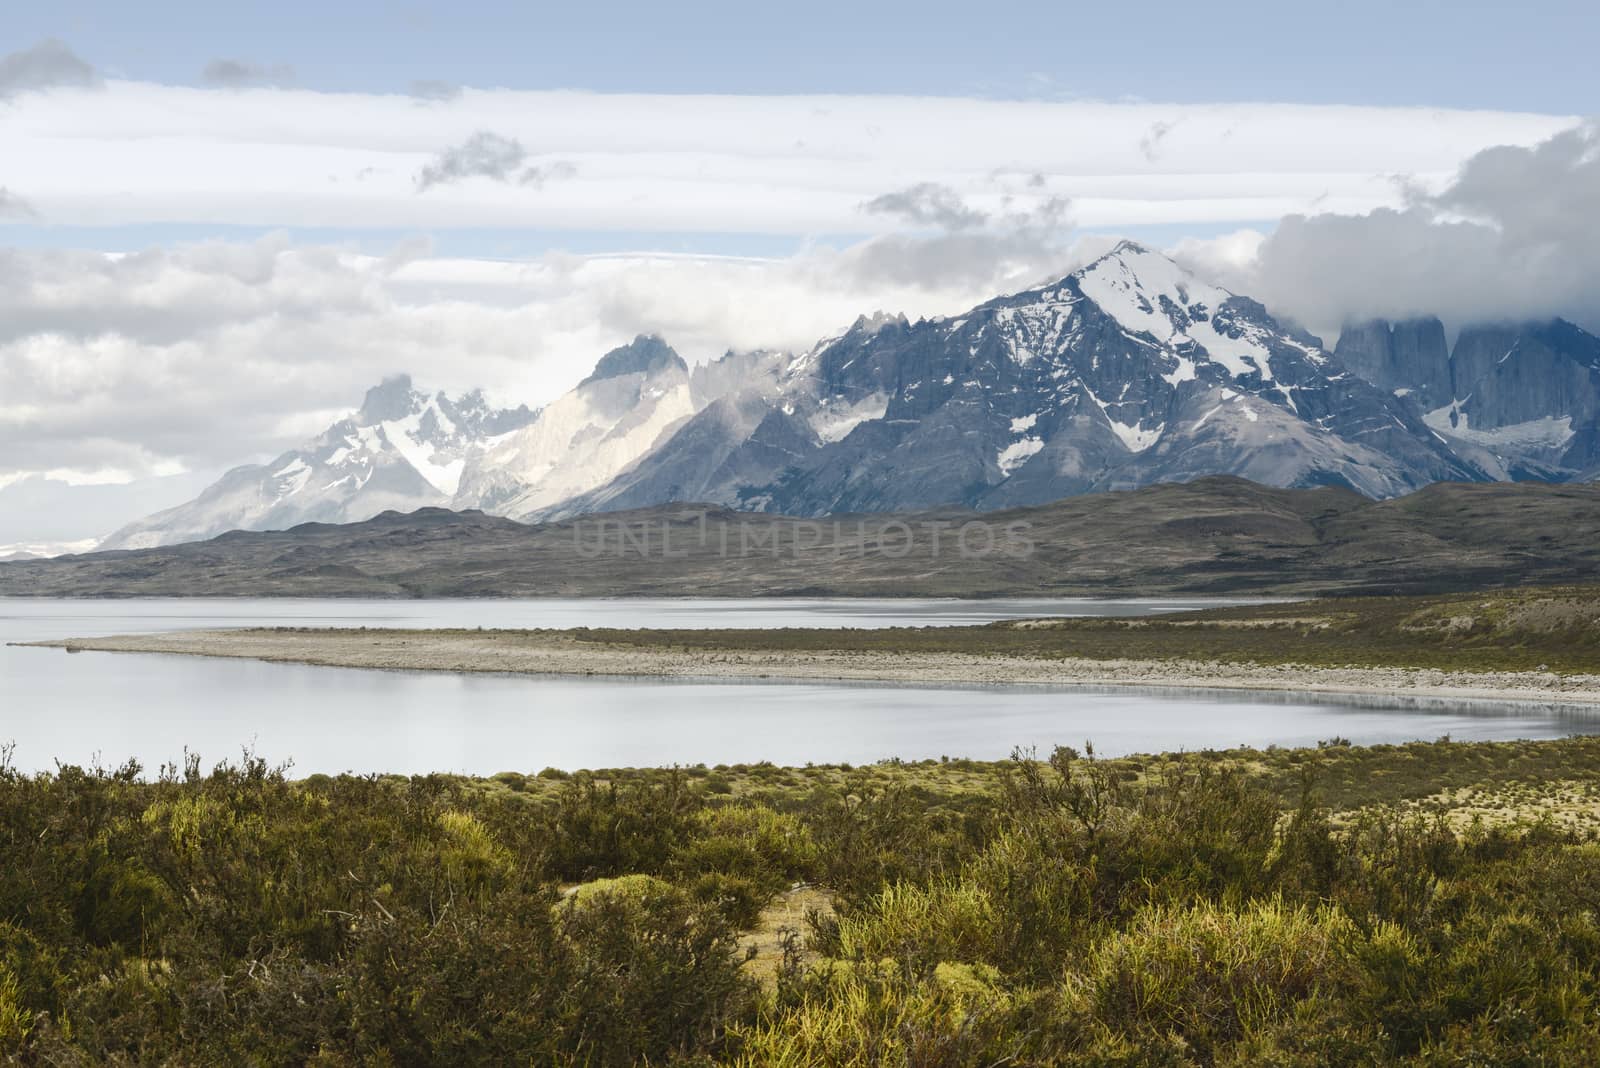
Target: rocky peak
{"type": "Point", "coordinates": [393, 398]}
{"type": "Point", "coordinates": [645, 354]}
{"type": "Point", "coordinates": [473, 414]}
{"type": "Point", "coordinates": [868, 326]}
{"type": "Point", "coordinates": [1131, 272]}
{"type": "Point", "coordinates": [1407, 358]}
{"type": "Point", "coordinates": [1514, 374]}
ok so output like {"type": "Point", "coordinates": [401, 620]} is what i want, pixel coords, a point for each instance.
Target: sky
{"type": "Point", "coordinates": [220, 223]}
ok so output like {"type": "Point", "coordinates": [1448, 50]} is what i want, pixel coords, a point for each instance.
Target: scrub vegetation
{"type": "Point", "coordinates": [1428, 904]}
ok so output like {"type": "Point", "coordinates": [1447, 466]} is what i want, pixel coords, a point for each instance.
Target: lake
{"type": "Point", "coordinates": [108, 707]}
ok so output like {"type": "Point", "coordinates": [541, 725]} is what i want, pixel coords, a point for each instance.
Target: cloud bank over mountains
{"type": "Point", "coordinates": [137, 363]}
{"type": "Point", "coordinates": [1514, 235]}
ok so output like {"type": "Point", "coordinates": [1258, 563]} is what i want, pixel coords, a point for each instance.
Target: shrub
{"type": "Point", "coordinates": [469, 853]}
{"type": "Point", "coordinates": [618, 828]}
{"type": "Point", "coordinates": [16, 1020]}
{"type": "Point", "coordinates": [1210, 975]}
{"type": "Point", "coordinates": [921, 926]}
{"type": "Point", "coordinates": [1180, 910]}
{"type": "Point", "coordinates": [769, 848]}
{"type": "Point", "coordinates": [864, 1014]}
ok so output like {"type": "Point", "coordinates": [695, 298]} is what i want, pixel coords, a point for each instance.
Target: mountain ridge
{"type": "Point", "coordinates": [1129, 371]}
{"type": "Point", "coordinates": [1126, 372]}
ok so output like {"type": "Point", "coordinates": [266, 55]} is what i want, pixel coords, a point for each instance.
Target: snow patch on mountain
{"type": "Point", "coordinates": [1185, 372]}
{"type": "Point", "coordinates": [1453, 421]}
{"type": "Point", "coordinates": [423, 452]}
{"type": "Point", "coordinates": [1133, 436]}
{"type": "Point", "coordinates": [1031, 329]}
{"type": "Point", "coordinates": [1018, 453]}
{"type": "Point", "coordinates": [834, 421]}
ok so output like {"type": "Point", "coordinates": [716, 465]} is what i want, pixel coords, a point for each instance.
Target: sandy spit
{"type": "Point", "coordinates": [552, 653]}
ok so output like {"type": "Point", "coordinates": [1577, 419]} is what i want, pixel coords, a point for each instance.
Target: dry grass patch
{"type": "Point", "coordinates": [786, 918]}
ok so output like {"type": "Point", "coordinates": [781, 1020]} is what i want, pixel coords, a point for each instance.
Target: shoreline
{"type": "Point", "coordinates": [558, 653]}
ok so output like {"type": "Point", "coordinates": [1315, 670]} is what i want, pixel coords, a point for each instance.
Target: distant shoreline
{"type": "Point", "coordinates": [561, 653]}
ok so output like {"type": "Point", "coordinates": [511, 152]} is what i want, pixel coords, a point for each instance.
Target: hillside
{"type": "Point", "coordinates": [1217, 535]}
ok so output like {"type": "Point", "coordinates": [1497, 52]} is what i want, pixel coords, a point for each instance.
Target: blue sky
{"type": "Point", "coordinates": [1536, 56]}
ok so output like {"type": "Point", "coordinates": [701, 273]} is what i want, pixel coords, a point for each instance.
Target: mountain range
{"type": "Point", "coordinates": [1128, 372]}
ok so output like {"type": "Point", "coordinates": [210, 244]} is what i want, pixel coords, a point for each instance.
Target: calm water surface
{"type": "Point", "coordinates": [78, 708]}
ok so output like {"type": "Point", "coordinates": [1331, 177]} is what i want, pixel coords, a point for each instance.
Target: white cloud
{"type": "Point", "coordinates": [199, 355]}
{"type": "Point", "coordinates": [713, 164]}
{"type": "Point", "coordinates": [927, 204]}
{"type": "Point", "coordinates": [488, 155]}
{"type": "Point", "coordinates": [14, 207]}
{"type": "Point", "coordinates": [1514, 235]}
{"type": "Point", "coordinates": [432, 90]}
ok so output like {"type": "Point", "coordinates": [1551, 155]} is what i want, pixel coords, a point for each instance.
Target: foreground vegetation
{"type": "Point", "coordinates": [1533, 629]}
{"type": "Point", "coordinates": [1430, 904]}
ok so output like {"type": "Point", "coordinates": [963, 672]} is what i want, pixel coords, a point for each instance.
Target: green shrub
{"type": "Point", "coordinates": [619, 827]}
{"type": "Point", "coordinates": [859, 1015]}
{"type": "Point", "coordinates": [16, 1020]}
{"type": "Point", "coordinates": [921, 926]}
{"type": "Point", "coordinates": [1199, 909]}
{"type": "Point", "coordinates": [747, 844]}
{"type": "Point", "coordinates": [1211, 975]}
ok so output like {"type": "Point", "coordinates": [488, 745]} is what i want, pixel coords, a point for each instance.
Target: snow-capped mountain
{"type": "Point", "coordinates": [1127, 372]}
{"type": "Point", "coordinates": [405, 450]}
{"type": "Point", "coordinates": [402, 450]}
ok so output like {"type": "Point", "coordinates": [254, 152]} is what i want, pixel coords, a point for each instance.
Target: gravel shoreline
{"type": "Point", "coordinates": [552, 653]}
